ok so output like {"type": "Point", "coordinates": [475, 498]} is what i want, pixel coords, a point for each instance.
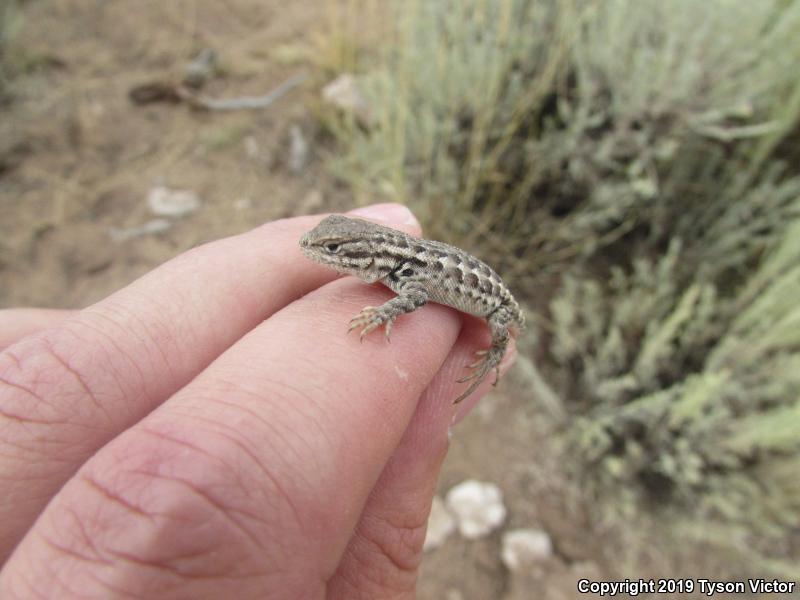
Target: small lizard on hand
{"type": "Point", "coordinates": [419, 271]}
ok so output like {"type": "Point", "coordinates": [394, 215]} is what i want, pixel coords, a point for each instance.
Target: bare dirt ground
{"type": "Point", "coordinates": [77, 159]}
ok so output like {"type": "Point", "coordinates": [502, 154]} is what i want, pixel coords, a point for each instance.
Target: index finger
{"type": "Point", "coordinates": [250, 480]}
{"type": "Point", "coordinates": [66, 391]}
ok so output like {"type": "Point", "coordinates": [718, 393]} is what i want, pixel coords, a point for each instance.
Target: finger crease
{"type": "Point", "coordinates": [223, 510]}
{"type": "Point", "coordinates": [116, 498]}
{"type": "Point", "coordinates": [76, 375]}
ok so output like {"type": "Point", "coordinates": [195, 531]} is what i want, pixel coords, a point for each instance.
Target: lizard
{"type": "Point", "coordinates": [419, 271]}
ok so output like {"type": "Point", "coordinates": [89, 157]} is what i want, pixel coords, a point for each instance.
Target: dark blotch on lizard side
{"type": "Point", "coordinates": [455, 274]}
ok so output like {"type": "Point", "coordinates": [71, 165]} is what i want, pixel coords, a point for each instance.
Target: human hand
{"type": "Point", "coordinates": [211, 431]}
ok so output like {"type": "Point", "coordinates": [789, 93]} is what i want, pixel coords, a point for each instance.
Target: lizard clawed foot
{"type": "Point", "coordinates": [487, 361]}
{"type": "Point", "coordinates": [479, 368]}
{"type": "Point", "coordinates": [370, 318]}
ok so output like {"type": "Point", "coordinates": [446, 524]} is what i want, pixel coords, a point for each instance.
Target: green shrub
{"type": "Point", "coordinates": [10, 21]}
{"type": "Point", "coordinates": [448, 99]}
{"type": "Point", "coordinates": [646, 153]}
{"type": "Point", "coordinates": [684, 397]}
{"type": "Point", "coordinates": [552, 129]}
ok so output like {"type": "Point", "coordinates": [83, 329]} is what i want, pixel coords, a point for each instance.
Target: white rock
{"type": "Point", "coordinates": [251, 147]}
{"type": "Point", "coordinates": [312, 202]}
{"type": "Point", "coordinates": [440, 525]}
{"type": "Point", "coordinates": [243, 203]}
{"type": "Point", "coordinates": [344, 93]}
{"type": "Point", "coordinates": [298, 150]}
{"type": "Point", "coordinates": [153, 226]}
{"type": "Point", "coordinates": [525, 548]}
{"type": "Point", "coordinates": [477, 506]}
{"type": "Point", "coordinates": [165, 202]}
{"type": "Point", "coordinates": [201, 69]}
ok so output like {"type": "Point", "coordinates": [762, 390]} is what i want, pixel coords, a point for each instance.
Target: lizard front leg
{"type": "Point", "coordinates": [410, 296]}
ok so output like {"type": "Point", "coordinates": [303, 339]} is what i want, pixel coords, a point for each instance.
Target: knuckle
{"type": "Point", "coordinates": [388, 554]}
{"type": "Point", "coordinates": [168, 497]}
{"type": "Point", "coordinates": [163, 508]}
{"type": "Point", "coordinates": [40, 388]}
{"type": "Point", "coordinates": [139, 519]}
{"type": "Point", "coordinates": [400, 540]}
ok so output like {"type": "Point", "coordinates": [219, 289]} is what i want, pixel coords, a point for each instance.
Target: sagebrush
{"type": "Point", "coordinates": [631, 166]}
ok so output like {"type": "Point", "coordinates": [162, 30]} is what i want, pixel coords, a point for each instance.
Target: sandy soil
{"type": "Point", "coordinates": [77, 159]}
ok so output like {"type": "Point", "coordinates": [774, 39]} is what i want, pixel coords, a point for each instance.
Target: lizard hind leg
{"type": "Point", "coordinates": [488, 360]}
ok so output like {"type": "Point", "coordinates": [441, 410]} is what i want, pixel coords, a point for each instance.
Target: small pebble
{"type": "Point", "coordinates": [201, 69]}
{"type": "Point", "coordinates": [344, 93]}
{"type": "Point", "coordinates": [477, 506]}
{"type": "Point", "coordinates": [298, 150]}
{"type": "Point", "coordinates": [243, 203]}
{"type": "Point", "coordinates": [312, 202]}
{"type": "Point", "coordinates": [154, 226]}
{"type": "Point", "coordinates": [525, 547]}
{"type": "Point", "coordinates": [440, 525]}
{"type": "Point", "coordinates": [165, 202]}
{"type": "Point", "coordinates": [251, 147]}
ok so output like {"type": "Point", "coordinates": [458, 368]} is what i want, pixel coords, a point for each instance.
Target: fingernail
{"type": "Point", "coordinates": [395, 214]}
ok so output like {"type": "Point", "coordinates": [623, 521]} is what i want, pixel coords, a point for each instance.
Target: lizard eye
{"type": "Point", "coordinates": [332, 247]}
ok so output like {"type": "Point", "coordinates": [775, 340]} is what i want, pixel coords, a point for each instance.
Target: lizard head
{"type": "Point", "coordinates": [343, 244]}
